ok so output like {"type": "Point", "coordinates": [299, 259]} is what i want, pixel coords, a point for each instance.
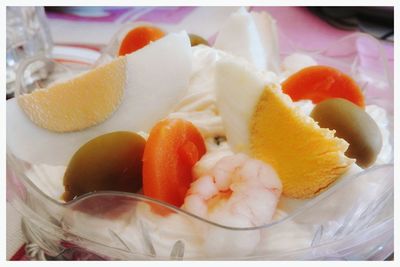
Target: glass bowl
{"type": "Point", "coordinates": [352, 220]}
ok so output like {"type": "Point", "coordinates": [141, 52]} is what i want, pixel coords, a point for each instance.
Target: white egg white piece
{"type": "Point", "coordinates": [238, 87]}
{"type": "Point", "coordinates": [252, 36]}
{"type": "Point", "coordinates": [268, 33]}
{"type": "Point", "coordinates": [157, 78]}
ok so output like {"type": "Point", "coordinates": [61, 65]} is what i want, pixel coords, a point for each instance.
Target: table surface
{"type": "Point", "coordinates": [93, 28]}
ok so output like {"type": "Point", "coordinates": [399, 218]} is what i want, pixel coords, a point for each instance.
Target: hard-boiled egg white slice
{"type": "Point", "coordinates": [252, 36]}
{"type": "Point", "coordinates": [157, 77]}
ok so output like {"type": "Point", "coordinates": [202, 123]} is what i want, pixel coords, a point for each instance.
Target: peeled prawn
{"type": "Point", "coordinates": [237, 191]}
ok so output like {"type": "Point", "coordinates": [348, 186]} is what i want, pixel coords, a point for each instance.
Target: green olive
{"type": "Point", "coordinates": [197, 40]}
{"type": "Point", "coordinates": [111, 161]}
{"type": "Point", "coordinates": [352, 124]}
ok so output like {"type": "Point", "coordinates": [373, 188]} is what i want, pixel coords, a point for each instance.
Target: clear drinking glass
{"type": "Point", "coordinates": [28, 35]}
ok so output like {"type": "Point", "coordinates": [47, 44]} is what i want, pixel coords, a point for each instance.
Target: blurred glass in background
{"type": "Point", "coordinates": [27, 35]}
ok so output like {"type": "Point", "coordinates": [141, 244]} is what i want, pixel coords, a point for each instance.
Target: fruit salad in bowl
{"type": "Point", "coordinates": [174, 147]}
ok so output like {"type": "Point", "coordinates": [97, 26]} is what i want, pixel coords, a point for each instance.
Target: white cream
{"type": "Point", "coordinates": [198, 105]}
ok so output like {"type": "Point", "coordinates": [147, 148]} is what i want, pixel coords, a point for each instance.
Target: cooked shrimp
{"type": "Point", "coordinates": [237, 191]}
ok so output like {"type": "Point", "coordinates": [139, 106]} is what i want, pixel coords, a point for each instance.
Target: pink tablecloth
{"type": "Point", "coordinates": [94, 29]}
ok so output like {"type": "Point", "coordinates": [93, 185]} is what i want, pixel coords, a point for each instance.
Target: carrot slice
{"type": "Point", "coordinates": [173, 147]}
{"type": "Point", "coordinates": [318, 83]}
{"type": "Point", "coordinates": [138, 38]}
